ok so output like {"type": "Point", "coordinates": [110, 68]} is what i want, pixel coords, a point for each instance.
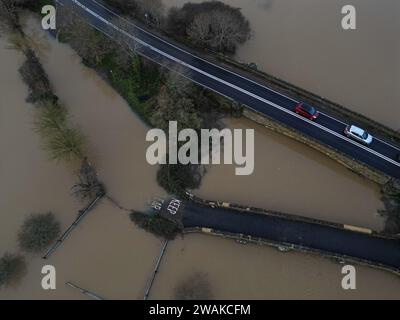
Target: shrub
{"type": "Point", "coordinates": [65, 144]}
{"type": "Point", "coordinates": [176, 178]}
{"type": "Point", "coordinates": [36, 78]}
{"type": "Point", "coordinates": [180, 109]}
{"type": "Point", "coordinates": [92, 45]}
{"type": "Point", "coordinates": [38, 232]}
{"type": "Point", "coordinates": [12, 269]}
{"type": "Point", "coordinates": [61, 142]}
{"type": "Point", "coordinates": [155, 224]}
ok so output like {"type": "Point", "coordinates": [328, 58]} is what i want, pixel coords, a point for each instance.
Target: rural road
{"type": "Point", "coordinates": [257, 97]}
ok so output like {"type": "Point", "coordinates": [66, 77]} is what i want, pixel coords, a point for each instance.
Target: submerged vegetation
{"type": "Point", "coordinates": [51, 120]}
{"type": "Point", "coordinates": [195, 287]}
{"type": "Point", "coordinates": [12, 269]}
{"type": "Point", "coordinates": [37, 232]}
{"type": "Point", "coordinates": [61, 141]}
{"type": "Point", "coordinates": [35, 77]}
{"type": "Point", "coordinates": [89, 186]}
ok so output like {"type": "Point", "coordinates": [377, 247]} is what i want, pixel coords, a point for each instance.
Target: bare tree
{"type": "Point", "coordinates": [9, 14]}
{"type": "Point", "coordinates": [124, 34]}
{"type": "Point", "coordinates": [89, 185]}
{"type": "Point", "coordinates": [219, 29]}
{"type": "Point", "coordinates": [199, 30]}
{"type": "Point", "coordinates": [90, 44]}
{"type": "Point", "coordinates": [228, 30]}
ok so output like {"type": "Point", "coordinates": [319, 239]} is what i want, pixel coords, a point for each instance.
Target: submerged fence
{"type": "Point", "coordinates": [82, 214]}
{"type": "Point", "coordinates": [150, 284]}
{"type": "Point", "coordinates": [88, 293]}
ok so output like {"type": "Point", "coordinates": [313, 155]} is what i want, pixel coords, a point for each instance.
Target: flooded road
{"type": "Point", "coordinates": [107, 254]}
{"type": "Point", "coordinates": [303, 42]}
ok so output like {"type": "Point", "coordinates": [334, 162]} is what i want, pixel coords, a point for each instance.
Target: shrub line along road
{"type": "Point", "coordinates": [326, 129]}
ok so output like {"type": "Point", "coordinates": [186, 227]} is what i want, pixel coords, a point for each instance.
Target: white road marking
{"type": "Point", "coordinates": [234, 86]}
{"type": "Point", "coordinates": [387, 143]}
{"type": "Point", "coordinates": [197, 57]}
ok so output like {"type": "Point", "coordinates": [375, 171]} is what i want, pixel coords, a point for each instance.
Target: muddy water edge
{"type": "Point", "coordinates": [109, 255]}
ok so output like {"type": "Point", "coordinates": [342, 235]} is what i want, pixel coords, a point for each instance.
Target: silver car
{"type": "Point", "coordinates": [358, 134]}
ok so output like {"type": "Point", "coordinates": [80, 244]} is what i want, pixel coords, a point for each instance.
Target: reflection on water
{"type": "Point", "coordinates": [303, 42]}
{"type": "Point", "coordinates": [107, 254]}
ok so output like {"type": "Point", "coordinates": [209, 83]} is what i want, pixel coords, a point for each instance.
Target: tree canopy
{"type": "Point", "coordinates": [38, 231]}
{"type": "Point", "coordinates": [12, 269]}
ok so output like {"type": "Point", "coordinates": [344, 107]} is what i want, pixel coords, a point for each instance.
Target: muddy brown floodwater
{"type": "Point", "coordinates": [303, 42]}
{"type": "Point", "coordinates": [109, 255]}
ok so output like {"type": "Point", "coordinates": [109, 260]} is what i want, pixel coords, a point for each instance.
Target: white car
{"type": "Point", "coordinates": [358, 134]}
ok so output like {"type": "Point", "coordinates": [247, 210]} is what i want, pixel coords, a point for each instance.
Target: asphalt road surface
{"type": "Point", "coordinates": [380, 251]}
{"type": "Point", "coordinates": [328, 130]}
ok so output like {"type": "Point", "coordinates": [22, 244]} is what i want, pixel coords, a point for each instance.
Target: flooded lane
{"type": "Point", "coordinates": [303, 43]}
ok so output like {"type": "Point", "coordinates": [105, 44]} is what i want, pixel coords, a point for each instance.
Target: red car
{"type": "Point", "coordinates": [307, 111]}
